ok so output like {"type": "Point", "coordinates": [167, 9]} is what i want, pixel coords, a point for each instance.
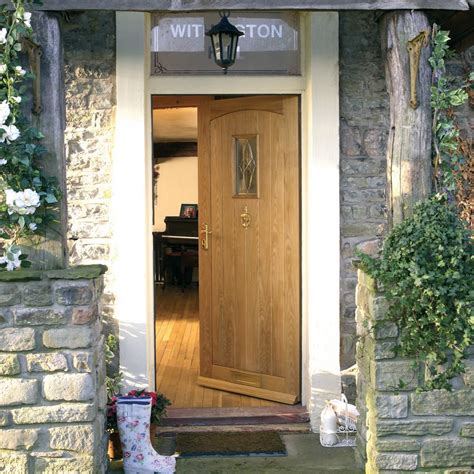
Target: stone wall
{"type": "Point", "coordinates": [364, 128]}
{"type": "Point", "coordinates": [89, 57]}
{"type": "Point", "coordinates": [400, 429]}
{"type": "Point", "coordinates": [52, 371]}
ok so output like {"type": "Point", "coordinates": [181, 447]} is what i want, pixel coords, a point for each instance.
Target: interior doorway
{"type": "Point", "coordinates": [244, 218]}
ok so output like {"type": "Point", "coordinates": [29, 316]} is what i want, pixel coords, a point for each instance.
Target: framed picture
{"type": "Point", "coordinates": [189, 211]}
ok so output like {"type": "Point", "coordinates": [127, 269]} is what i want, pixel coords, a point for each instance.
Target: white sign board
{"type": "Point", "coordinates": [270, 43]}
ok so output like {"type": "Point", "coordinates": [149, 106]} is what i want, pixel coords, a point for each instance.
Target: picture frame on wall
{"type": "Point", "coordinates": [188, 211]}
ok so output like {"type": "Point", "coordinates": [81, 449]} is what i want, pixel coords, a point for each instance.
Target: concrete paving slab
{"type": "Point", "coordinates": [305, 455]}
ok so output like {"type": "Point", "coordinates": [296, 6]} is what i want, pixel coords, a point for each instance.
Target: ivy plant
{"type": "Point", "coordinates": [447, 92]}
{"type": "Point", "coordinates": [28, 198]}
{"type": "Point", "coordinates": [426, 268]}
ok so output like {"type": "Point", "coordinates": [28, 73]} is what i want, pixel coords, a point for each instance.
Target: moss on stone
{"type": "Point", "coordinates": [87, 272]}
{"type": "Point", "coordinates": [21, 275]}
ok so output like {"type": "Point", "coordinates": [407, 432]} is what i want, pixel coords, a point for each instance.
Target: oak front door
{"type": "Point", "coordinates": [249, 220]}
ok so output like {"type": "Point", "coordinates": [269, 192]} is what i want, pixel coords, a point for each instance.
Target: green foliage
{"type": "Point", "coordinates": [28, 198]}
{"type": "Point", "coordinates": [446, 92]}
{"type": "Point", "coordinates": [113, 379]}
{"type": "Point", "coordinates": [426, 268]}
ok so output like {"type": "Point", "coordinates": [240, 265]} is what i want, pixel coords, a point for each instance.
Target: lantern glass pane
{"type": "Point", "coordinates": [217, 46]}
{"type": "Point", "coordinates": [226, 47]}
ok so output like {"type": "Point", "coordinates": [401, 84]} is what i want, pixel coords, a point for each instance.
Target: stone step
{"type": "Point", "coordinates": [276, 415]}
{"type": "Point", "coordinates": [293, 428]}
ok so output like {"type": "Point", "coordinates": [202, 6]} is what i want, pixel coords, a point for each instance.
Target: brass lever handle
{"type": "Point", "coordinates": [205, 241]}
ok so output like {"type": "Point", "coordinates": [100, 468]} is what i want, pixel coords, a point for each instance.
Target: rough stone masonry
{"type": "Point", "coordinates": [400, 429]}
{"type": "Point", "coordinates": [52, 371]}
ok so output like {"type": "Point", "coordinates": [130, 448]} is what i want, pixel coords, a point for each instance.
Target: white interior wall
{"type": "Point", "coordinates": [177, 184]}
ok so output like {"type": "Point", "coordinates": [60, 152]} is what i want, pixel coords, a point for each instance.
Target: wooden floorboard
{"type": "Point", "coordinates": [177, 355]}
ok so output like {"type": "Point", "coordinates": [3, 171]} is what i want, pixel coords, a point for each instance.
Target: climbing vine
{"type": "Point", "coordinates": [426, 265]}
{"type": "Point", "coordinates": [450, 155]}
{"type": "Point", "coordinates": [28, 198]}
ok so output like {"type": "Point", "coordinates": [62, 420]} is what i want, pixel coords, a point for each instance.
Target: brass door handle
{"type": "Point", "coordinates": [205, 240]}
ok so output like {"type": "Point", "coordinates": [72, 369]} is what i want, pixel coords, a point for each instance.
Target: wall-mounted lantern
{"type": "Point", "coordinates": [224, 38]}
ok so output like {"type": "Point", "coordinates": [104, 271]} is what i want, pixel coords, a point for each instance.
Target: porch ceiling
{"type": "Point", "coordinates": [206, 5]}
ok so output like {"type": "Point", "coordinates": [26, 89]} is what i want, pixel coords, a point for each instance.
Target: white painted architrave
{"type": "Point", "coordinates": [319, 90]}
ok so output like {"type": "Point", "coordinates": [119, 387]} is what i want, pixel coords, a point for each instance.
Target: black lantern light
{"type": "Point", "coordinates": [224, 38]}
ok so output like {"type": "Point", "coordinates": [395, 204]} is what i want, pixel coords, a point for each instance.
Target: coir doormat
{"type": "Point", "coordinates": [261, 443]}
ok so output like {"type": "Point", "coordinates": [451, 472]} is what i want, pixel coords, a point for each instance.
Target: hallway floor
{"type": "Point", "coordinates": [177, 354]}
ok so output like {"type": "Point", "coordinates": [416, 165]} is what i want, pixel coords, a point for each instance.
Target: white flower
{"type": "Point", "coordinates": [32, 226]}
{"type": "Point", "coordinates": [27, 19]}
{"type": "Point", "coordinates": [10, 133]}
{"type": "Point", "coordinates": [4, 112]}
{"type": "Point", "coordinates": [3, 69]}
{"type": "Point", "coordinates": [20, 71]}
{"type": "Point", "coordinates": [11, 258]}
{"type": "Point", "coordinates": [17, 99]}
{"type": "Point", "coordinates": [22, 202]}
{"type": "Point", "coordinates": [3, 36]}
{"type": "Point", "coordinates": [3, 161]}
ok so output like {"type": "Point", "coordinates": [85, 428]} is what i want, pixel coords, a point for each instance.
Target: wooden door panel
{"type": "Point", "coordinates": [250, 325]}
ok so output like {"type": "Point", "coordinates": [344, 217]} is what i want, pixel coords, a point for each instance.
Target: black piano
{"type": "Point", "coordinates": [176, 250]}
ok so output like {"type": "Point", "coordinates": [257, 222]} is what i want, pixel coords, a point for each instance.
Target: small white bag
{"type": "Point", "coordinates": [328, 430]}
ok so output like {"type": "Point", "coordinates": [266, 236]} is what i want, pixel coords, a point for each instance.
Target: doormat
{"type": "Point", "coordinates": [261, 443]}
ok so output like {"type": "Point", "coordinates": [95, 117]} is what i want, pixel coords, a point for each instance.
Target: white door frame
{"type": "Point", "coordinates": [132, 267]}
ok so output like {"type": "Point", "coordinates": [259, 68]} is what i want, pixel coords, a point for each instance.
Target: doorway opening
{"type": "Point", "coordinates": [178, 256]}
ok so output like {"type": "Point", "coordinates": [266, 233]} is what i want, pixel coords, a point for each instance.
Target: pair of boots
{"type": "Point", "coordinates": [133, 419]}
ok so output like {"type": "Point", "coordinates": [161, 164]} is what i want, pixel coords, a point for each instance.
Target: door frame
{"type": "Point", "coordinates": [318, 87]}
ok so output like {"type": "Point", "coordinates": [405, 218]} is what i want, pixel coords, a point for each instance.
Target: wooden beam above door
{"type": "Point", "coordinates": [256, 5]}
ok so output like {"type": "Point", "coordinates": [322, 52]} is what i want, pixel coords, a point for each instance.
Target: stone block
{"type": "Point", "coordinates": [35, 316]}
{"type": "Point", "coordinates": [392, 375]}
{"type": "Point", "coordinates": [378, 308]}
{"type": "Point", "coordinates": [467, 430]}
{"type": "Point", "coordinates": [9, 295]}
{"type": "Point", "coordinates": [5, 316]}
{"type": "Point", "coordinates": [73, 295]}
{"type": "Point", "coordinates": [83, 361]}
{"type": "Point", "coordinates": [5, 418]}
{"type": "Point", "coordinates": [46, 362]}
{"type": "Point", "coordinates": [396, 444]}
{"type": "Point", "coordinates": [15, 391]}
{"type": "Point", "coordinates": [392, 406]}
{"type": "Point", "coordinates": [13, 463]}
{"type": "Point", "coordinates": [442, 402]}
{"type": "Point", "coordinates": [9, 364]}
{"type": "Point", "coordinates": [447, 452]}
{"type": "Point", "coordinates": [83, 315]}
{"type": "Point", "coordinates": [385, 330]}
{"type": "Point", "coordinates": [384, 350]}
{"type": "Point", "coordinates": [397, 461]}
{"type": "Point", "coordinates": [17, 339]}
{"type": "Point", "coordinates": [468, 376]}
{"type": "Point", "coordinates": [37, 294]}
{"type": "Point", "coordinates": [62, 413]}
{"type": "Point", "coordinates": [367, 281]}
{"type": "Point", "coordinates": [69, 387]}
{"type": "Point", "coordinates": [73, 465]}
{"type": "Point", "coordinates": [71, 338]}
{"type": "Point", "coordinates": [16, 439]}
{"type": "Point", "coordinates": [418, 427]}
{"type": "Point", "coordinates": [73, 438]}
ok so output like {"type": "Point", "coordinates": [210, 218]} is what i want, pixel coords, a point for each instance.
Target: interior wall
{"type": "Point", "coordinates": [177, 184]}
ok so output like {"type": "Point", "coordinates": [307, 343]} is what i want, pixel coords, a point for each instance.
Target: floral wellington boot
{"type": "Point", "coordinates": [133, 419]}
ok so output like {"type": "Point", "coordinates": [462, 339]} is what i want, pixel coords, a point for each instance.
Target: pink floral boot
{"type": "Point", "coordinates": [133, 419]}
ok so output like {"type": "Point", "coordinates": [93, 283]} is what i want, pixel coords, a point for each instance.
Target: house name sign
{"type": "Point", "coordinates": [179, 43]}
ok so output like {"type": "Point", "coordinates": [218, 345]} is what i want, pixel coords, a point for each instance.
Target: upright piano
{"type": "Point", "coordinates": [180, 235]}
